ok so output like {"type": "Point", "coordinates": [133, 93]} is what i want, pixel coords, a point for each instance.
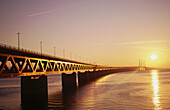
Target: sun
{"type": "Point", "coordinates": [153, 57]}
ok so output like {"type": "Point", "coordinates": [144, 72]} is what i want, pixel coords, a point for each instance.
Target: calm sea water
{"type": "Point", "coordinates": [121, 91]}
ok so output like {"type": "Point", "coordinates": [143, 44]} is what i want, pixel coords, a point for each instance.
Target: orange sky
{"type": "Point", "coordinates": [108, 32]}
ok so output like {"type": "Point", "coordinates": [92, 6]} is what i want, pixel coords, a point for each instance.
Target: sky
{"type": "Point", "coordinates": [106, 32]}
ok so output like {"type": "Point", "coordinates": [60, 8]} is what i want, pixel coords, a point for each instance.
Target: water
{"type": "Point", "coordinates": [121, 91]}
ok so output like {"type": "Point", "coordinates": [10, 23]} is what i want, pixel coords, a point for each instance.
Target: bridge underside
{"type": "Point", "coordinates": [13, 65]}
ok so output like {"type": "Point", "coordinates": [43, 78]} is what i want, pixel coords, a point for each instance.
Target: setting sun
{"type": "Point", "coordinates": [153, 57]}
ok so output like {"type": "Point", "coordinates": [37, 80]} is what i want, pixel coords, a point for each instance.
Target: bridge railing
{"type": "Point", "coordinates": [18, 49]}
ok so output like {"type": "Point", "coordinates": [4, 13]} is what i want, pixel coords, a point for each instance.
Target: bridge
{"type": "Point", "coordinates": [21, 62]}
{"type": "Point", "coordinates": [32, 67]}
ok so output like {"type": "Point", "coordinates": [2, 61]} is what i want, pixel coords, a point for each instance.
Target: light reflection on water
{"type": "Point", "coordinates": [155, 84]}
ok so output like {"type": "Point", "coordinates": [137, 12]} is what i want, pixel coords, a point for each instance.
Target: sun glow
{"type": "Point", "coordinates": [153, 57]}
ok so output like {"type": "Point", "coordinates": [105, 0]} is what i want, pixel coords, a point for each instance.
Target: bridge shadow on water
{"type": "Point", "coordinates": [62, 100]}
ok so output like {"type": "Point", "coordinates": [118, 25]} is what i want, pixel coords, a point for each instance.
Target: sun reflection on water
{"type": "Point", "coordinates": [155, 84]}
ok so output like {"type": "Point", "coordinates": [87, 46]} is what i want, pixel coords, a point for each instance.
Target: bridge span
{"type": "Point", "coordinates": [33, 67]}
{"type": "Point", "coordinates": [21, 62]}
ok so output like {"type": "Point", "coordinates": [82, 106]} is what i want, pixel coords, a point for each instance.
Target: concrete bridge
{"type": "Point", "coordinates": [33, 67]}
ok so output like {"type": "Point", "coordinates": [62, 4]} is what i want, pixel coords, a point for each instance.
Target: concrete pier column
{"type": "Point", "coordinates": [34, 92]}
{"type": "Point", "coordinates": [82, 78]}
{"type": "Point", "coordinates": [69, 81]}
{"type": "Point", "coordinates": [99, 73]}
{"type": "Point", "coordinates": [90, 75]}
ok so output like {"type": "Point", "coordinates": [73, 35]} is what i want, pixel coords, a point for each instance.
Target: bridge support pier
{"type": "Point", "coordinates": [69, 82]}
{"type": "Point", "coordinates": [34, 92]}
{"type": "Point", "coordinates": [82, 78]}
{"type": "Point", "coordinates": [90, 75]}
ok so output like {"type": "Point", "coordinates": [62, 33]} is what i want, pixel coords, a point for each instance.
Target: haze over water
{"type": "Point", "coordinates": [121, 91]}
